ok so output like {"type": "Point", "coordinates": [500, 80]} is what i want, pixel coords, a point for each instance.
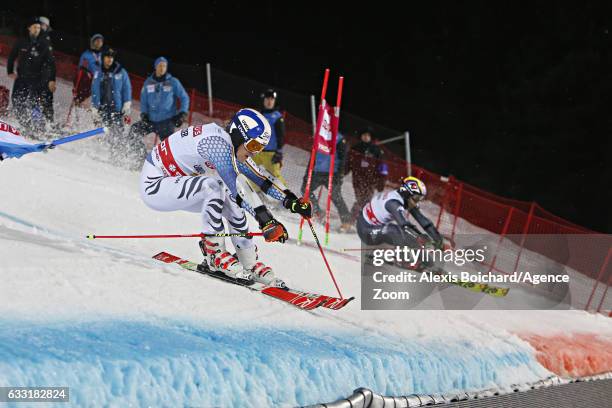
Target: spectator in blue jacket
{"type": "Point", "coordinates": [159, 111]}
{"type": "Point", "coordinates": [111, 95]}
{"type": "Point", "coordinates": [320, 177]}
{"type": "Point", "coordinates": [89, 63]}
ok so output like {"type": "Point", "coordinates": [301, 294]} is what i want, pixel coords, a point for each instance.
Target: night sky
{"type": "Point", "coordinates": [514, 98]}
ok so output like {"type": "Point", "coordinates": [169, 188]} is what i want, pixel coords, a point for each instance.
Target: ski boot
{"type": "Point", "coordinates": [260, 272]}
{"type": "Point", "coordinates": [217, 259]}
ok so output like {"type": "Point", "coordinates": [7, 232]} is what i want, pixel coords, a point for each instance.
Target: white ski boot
{"type": "Point", "coordinates": [219, 260]}
{"type": "Point", "coordinates": [260, 272]}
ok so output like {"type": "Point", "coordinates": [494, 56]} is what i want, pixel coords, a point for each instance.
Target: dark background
{"type": "Point", "coordinates": [512, 98]}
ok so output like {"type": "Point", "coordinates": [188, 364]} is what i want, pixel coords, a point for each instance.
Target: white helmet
{"type": "Point", "coordinates": [253, 128]}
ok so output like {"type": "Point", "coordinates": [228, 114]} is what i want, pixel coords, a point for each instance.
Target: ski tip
{"type": "Point", "coordinates": [91, 236]}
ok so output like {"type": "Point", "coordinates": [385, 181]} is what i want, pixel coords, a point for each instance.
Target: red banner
{"type": "Point", "coordinates": [325, 138]}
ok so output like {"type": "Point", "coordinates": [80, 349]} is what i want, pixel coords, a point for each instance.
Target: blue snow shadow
{"type": "Point", "coordinates": [176, 364]}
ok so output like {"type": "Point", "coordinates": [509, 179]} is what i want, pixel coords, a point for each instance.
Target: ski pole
{"type": "Point", "coordinates": [314, 234]}
{"type": "Point", "coordinates": [239, 234]}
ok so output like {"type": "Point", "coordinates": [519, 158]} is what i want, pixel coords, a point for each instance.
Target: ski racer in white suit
{"type": "Point", "coordinates": [201, 169]}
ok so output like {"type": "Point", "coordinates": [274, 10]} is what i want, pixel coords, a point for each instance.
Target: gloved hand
{"type": "Point", "coordinates": [126, 109]}
{"type": "Point", "coordinates": [277, 158]}
{"type": "Point", "coordinates": [297, 205]}
{"type": "Point", "coordinates": [180, 119]}
{"type": "Point", "coordinates": [274, 231]}
{"type": "Point", "coordinates": [144, 116]}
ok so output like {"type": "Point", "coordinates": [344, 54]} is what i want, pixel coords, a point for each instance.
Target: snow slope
{"type": "Point", "coordinates": [120, 328]}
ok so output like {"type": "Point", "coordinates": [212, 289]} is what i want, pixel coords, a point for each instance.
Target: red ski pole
{"type": "Point", "coordinates": [248, 234]}
{"type": "Point", "coordinates": [314, 234]}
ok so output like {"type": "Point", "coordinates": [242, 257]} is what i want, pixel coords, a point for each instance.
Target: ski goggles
{"type": "Point", "coordinates": [253, 146]}
{"type": "Point", "coordinates": [416, 198]}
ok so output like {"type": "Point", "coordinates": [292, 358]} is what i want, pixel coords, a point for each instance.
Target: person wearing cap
{"type": "Point", "coordinates": [45, 28]}
{"type": "Point", "coordinates": [35, 73]}
{"type": "Point", "coordinates": [159, 111]}
{"type": "Point", "coordinates": [111, 97]}
{"type": "Point", "coordinates": [272, 157]}
{"type": "Point", "coordinates": [47, 94]}
{"type": "Point", "coordinates": [369, 173]}
{"type": "Point", "coordinates": [89, 63]}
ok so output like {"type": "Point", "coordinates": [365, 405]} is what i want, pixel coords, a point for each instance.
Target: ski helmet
{"type": "Point", "coordinates": [109, 52]}
{"type": "Point", "coordinates": [269, 93]}
{"type": "Point", "coordinates": [250, 128]}
{"type": "Point", "coordinates": [413, 188]}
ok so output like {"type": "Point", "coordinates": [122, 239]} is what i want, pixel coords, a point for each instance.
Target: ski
{"type": "Point", "coordinates": [495, 291]}
{"type": "Point", "coordinates": [491, 290]}
{"type": "Point", "coordinates": [297, 298]}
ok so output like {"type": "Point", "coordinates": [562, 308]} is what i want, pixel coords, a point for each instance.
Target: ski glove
{"type": "Point", "coordinates": [274, 231]}
{"type": "Point", "coordinates": [277, 158]}
{"type": "Point", "coordinates": [296, 205]}
{"type": "Point", "coordinates": [180, 119]}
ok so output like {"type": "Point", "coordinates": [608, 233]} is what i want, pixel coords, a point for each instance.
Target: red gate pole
{"type": "Point", "coordinates": [599, 276]}
{"type": "Point", "coordinates": [332, 162]}
{"type": "Point", "coordinates": [456, 211]}
{"type": "Point", "coordinates": [603, 297]}
{"type": "Point", "coordinates": [501, 236]}
{"type": "Point", "coordinates": [445, 199]}
{"type": "Point", "coordinates": [313, 152]}
{"type": "Point", "coordinates": [525, 229]}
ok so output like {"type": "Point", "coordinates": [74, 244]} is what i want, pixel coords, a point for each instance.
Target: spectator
{"type": "Point", "coordinates": [271, 158]}
{"type": "Point", "coordinates": [159, 112]}
{"type": "Point", "coordinates": [47, 93]}
{"type": "Point", "coordinates": [35, 73]}
{"type": "Point", "coordinates": [320, 177]}
{"type": "Point", "coordinates": [111, 96]}
{"type": "Point", "coordinates": [369, 173]}
{"type": "Point", "coordinates": [89, 63]}
{"type": "Point", "coordinates": [45, 29]}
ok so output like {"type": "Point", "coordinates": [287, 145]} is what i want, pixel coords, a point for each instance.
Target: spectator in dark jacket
{"type": "Point", "coordinates": [47, 94]}
{"type": "Point", "coordinates": [320, 177]}
{"type": "Point", "coordinates": [35, 73]}
{"type": "Point", "coordinates": [89, 63]}
{"type": "Point", "coordinates": [369, 173]}
{"type": "Point", "coordinates": [159, 111]}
